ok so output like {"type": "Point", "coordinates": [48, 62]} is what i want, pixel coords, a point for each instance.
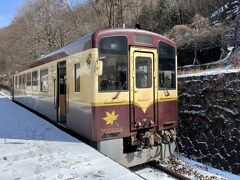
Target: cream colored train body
{"type": "Point", "coordinates": [117, 88]}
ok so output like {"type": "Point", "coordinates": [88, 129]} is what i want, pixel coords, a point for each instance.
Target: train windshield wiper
{"type": "Point", "coordinates": [166, 92]}
{"type": "Point", "coordinates": [116, 96]}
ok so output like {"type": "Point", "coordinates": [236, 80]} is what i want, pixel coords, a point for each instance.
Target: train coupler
{"type": "Point", "coordinates": [167, 139]}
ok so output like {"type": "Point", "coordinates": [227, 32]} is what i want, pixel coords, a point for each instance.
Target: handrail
{"type": "Point", "coordinates": [67, 98]}
{"type": "Point", "coordinates": [54, 94]}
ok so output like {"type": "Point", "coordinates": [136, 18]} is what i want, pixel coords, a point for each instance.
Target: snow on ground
{"type": "Point", "coordinates": [210, 72]}
{"type": "Point", "coordinates": [230, 49]}
{"type": "Point", "coordinates": [204, 168]}
{"type": "Point", "coordinates": [32, 148]}
{"type": "Point", "coordinates": [207, 72]}
{"type": "Point", "coordinates": [181, 165]}
{"type": "Point", "coordinates": [188, 168]}
{"type": "Point", "coordinates": [5, 94]}
{"type": "Point", "coordinates": [150, 173]}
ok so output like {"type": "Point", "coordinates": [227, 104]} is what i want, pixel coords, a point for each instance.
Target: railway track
{"type": "Point", "coordinates": [175, 167]}
{"type": "Point", "coordinates": [156, 165]}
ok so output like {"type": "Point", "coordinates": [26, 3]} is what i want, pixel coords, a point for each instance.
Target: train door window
{"type": "Point", "coordinates": [29, 79]}
{"type": "Point", "coordinates": [166, 66]}
{"type": "Point", "coordinates": [62, 77]}
{"type": "Point", "coordinates": [44, 80]}
{"type": "Point", "coordinates": [77, 77]}
{"type": "Point", "coordinates": [143, 72]}
{"type": "Point", "coordinates": [24, 81]}
{"type": "Point", "coordinates": [34, 78]}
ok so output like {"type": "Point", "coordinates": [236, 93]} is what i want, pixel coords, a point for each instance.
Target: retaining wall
{"type": "Point", "coordinates": [209, 116]}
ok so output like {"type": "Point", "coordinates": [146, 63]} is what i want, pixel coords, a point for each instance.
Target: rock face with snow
{"type": "Point", "coordinates": [237, 32]}
{"type": "Point", "coordinates": [226, 13]}
{"type": "Point", "coordinates": [209, 112]}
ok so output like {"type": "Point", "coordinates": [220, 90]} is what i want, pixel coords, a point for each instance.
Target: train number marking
{"type": "Point", "coordinates": [112, 130]}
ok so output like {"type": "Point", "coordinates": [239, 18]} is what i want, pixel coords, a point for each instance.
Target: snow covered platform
{"type": "Point", "coordinates": [32, 148]}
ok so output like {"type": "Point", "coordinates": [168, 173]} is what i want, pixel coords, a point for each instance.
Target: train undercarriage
{"type": "Point", "coordinates": [140, 147]}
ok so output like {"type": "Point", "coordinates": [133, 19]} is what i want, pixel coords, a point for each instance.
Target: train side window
{"type": "Point", "coordinates": [34, 78]}
{"type": "Point", "coordinates": [20, 81]}
{"type": "Point", "coordinates": [166, 66]}
{"type": "Point", "coordinates": [16, 82]}
{"type": "Point", "coordinates": [29, 79]}
{"type": "Point", "coordinates": [44, 80]}
{"type": "Point", "coordinates": [24, 81]}
{"type": "Point", "coordinates": [77, 77]}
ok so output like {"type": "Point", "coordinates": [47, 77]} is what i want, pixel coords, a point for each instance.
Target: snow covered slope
{"type": "Point", "coordinates": [31, 148]}
{"type": "Point", "coordinates": [228, 12]}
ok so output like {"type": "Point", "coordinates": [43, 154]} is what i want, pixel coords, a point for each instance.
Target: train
{"type": "Point", "coordinates": [115, 87]}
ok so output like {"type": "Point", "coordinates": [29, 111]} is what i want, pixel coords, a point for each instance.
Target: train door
{"type": "Point", "coordinates": [142, 90]}
{"type": "Point", "coordinates": [61, 92]}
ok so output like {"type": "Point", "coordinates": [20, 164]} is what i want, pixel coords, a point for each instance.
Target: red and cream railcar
{"type": "Point", "coordinates": [115, 87]}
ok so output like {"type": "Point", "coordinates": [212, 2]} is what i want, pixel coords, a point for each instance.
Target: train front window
{"type": "Point", "coordinates": [166, 66]}
{"type": "Point", "coordinates": [113, 51]}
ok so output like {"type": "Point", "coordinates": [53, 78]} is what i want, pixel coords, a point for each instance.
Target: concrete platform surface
{"type": "Point", "coordinates": [32, 148]}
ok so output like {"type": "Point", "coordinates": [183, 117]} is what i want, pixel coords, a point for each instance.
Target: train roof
{"type": "Point", "coordinates": [130, 33]}
{"type": "Point", "coordinates": [91, 41]}
{"type": "Point", "coordinates": [76, 46]}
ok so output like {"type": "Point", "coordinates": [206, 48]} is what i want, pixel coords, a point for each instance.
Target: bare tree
{"type": "Point", "coordinates": [47, 25]}
{"type": "Point", "coordinates": [116, 12]}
